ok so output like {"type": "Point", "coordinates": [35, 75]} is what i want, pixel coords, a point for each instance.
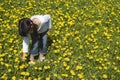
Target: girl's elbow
{"type": "Point", "coordinates": [48, 16]}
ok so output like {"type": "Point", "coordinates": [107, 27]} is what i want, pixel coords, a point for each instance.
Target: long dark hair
{"type": "Point", "coordinates": [24, 26]}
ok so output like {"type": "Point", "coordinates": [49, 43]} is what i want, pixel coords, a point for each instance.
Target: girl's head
{"type": "Point", "coordinates": [25, 26]}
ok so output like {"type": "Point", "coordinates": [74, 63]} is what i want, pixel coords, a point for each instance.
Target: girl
{"type": "Point", "coordinates": [35, 27]}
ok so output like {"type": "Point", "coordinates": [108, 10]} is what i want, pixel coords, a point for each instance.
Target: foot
{"type": "Point", "coordinates": [41, 57]}
{"type": "Point", "coordinates": [31, 58]}
{"type": "Point", "coordinates": [24, 57]}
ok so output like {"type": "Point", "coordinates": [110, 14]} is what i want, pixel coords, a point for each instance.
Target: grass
{"type": "Point", "coordinates": [84, 42]}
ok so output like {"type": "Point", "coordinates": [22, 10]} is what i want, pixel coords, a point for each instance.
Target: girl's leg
{"type": "Point", "coordinates": [34, 47]}
{"type": "Point", "coordinates": [43, 46]}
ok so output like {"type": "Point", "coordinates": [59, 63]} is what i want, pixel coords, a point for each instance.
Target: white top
{"type": "Point", "coordinates": [45, 21]}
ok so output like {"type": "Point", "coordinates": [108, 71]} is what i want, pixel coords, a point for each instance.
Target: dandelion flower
{"type": "Point", "coordinates": [13, 78]}
{"type": "Point", "coordinates": [72, 72]}
{"type": "Point", "coordinates": [105, 76]}
{"type": "Point", "coordinates": [80, 75]}
{"type": "Point", "coordinates": [65, 75]}
{"type": "Point", "coordinates": [78, 67]}
{"type": "Point", "coordinates": [47, 78]}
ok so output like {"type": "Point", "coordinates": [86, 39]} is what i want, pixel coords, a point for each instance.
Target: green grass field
{"type": "Point", "coordinates": [84, 42]}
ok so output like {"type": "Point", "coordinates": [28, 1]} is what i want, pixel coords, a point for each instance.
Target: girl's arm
{"type": "Point", "coordinates": [47, 18]}
{"type": "Point", "coordinates": [26, 44]}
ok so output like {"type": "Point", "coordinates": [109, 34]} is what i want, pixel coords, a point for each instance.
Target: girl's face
{"type": "Point", "coordinates": [31, 29]}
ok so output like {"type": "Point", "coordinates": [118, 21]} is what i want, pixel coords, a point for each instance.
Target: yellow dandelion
{"type": "Point", "coordinates": [39, 68]}
{"type": "Point", "coordinates": [115, 68]}
{"type": "Point", "coordinates": [39, 78]}
{"type": "Point", "coordinates": [66, 59]}
{"type": "Point", "coordinates": [17, 60]}
{"type": "Point", "coordinates": [79, 67]}
{"type": "Point", "coordinates": [64, 64]}
{"type": "Point", "coordinates": [105, 76]}
{"type": "Point", "coordinates": [68, 67]}
{"type": "Point", "coordinates": [15, 51]}
{"type": "Point", "coordinates": [81, 46]}
{"type": "Point", "coordinates": [80, 75]}
{"type": "Point", "coordinates": [46, 67]}
{"type": "Point", "coordinates": [59, 58]}
{"type": "Point", "coordinates": [100, 68]}
{"type": "Point", "coordinates": [35, 68]}
{"type": "Point", "coordinates": [9, 70]}
{"type": "Point", "coordinates": [55, 74]}
{"type": "Point", "coordinates": [96, 47]}
{"type": "Point", "coordinates": [22, 73]}
{"type": "Point", "coordinates": [22, 66]}
{"type": "Point", "coordinates": [47, 78]}
{"type": "Point", "coordinates": [16, 67]}
{"type": "Point", "coordinates": [13, 78]}
{"type": "Point", "coordinates": [98, 22]}
{"type": "Point", "coordinates": [4, 76]}
{"type": "Point", "coordinates": [7, 65]}
{"type": "Point", "coordinates": [31, 63]}
{"type": "Point", "coordinates": [35, 79]}
{"type": "Point", "coordinates": [29, 78]}
{"type": "Point", "coordinates": [118, 57]}
{"type": "Point", "coordinates": [27, 73]}
{"type": "Point", "coordinates": [65, 75]}
{"type": "Point", "coordinates": [113, 13]}
{"type": "Point", "coordinates": [72, 72]}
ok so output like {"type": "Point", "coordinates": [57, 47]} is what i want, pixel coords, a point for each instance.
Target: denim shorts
{"type": "Point", "coordinates": [39, 44]}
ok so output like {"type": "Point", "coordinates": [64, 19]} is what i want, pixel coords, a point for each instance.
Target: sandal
{"type": "Point", "coordinates": [41, 59]}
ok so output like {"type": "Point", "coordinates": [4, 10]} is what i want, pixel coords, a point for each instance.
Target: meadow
{"type": "Point", "coordinates": [84, 42]}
